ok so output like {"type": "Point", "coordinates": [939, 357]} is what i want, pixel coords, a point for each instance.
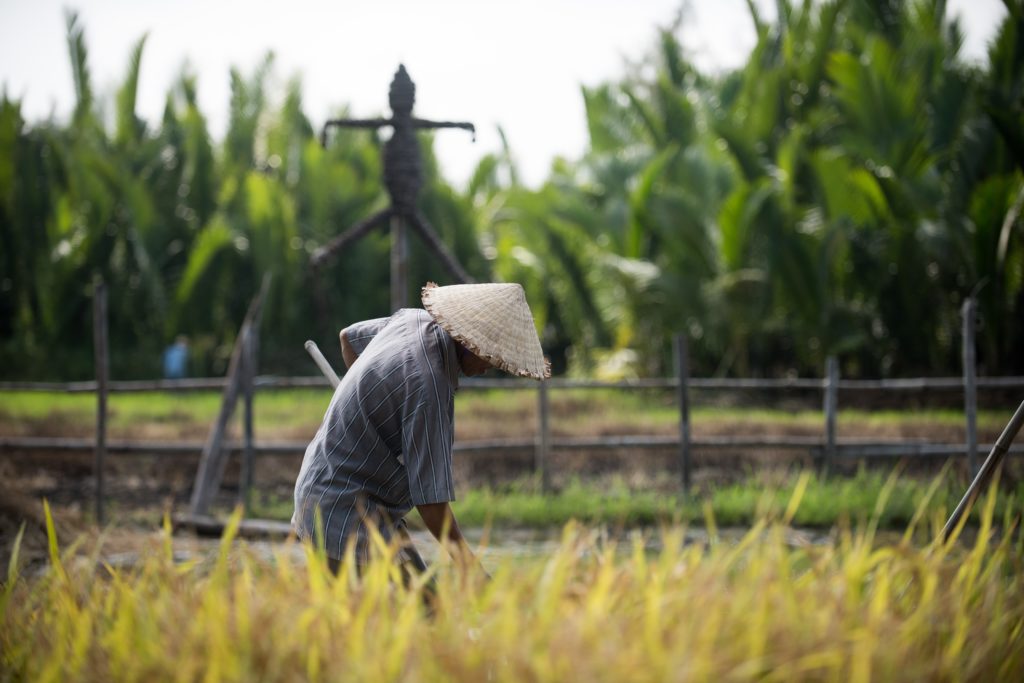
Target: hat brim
{"type": "Point", "coordinates": [517, 351]}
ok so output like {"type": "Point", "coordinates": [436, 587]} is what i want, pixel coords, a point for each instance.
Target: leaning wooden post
{"type": "Point", "coordinates": [831, 402]}
{"type": "Point", "coordinates": [248, 452]}
{"type": "Point", "coordinates": [969, 312]}
{"type": "Point", "coordinates": [99, 333]}
{"type": "Point", "coordinates": [543, 437]}
{"type": "Point", "coordinates": [683, 373]}
{"type": "Point", "coordinates": [213, 460]}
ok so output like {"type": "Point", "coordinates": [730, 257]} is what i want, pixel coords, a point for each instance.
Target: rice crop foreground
{"type": "Point", "coordinates": [593, 610]}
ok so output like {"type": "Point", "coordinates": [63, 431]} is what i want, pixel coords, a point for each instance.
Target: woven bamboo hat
{"type": "Point", "coordinates": [493, 321]}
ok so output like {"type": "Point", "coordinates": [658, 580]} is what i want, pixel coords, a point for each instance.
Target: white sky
{"type": "Point", "coordinates": [514, 63]}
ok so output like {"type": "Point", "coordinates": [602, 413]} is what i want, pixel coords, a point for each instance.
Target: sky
{"type": "Point", "coordinates": [518, 64]}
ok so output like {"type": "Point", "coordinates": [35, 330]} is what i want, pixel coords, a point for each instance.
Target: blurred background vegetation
{"type": "Point", "coordinates": [842, 193]}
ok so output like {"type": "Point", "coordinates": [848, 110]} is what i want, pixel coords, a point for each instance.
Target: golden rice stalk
{"type": "Point", "coordinates": [594, 610]}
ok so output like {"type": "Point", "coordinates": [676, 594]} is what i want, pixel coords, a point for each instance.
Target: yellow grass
{"type": "Point", "coordinates": [594, 610]}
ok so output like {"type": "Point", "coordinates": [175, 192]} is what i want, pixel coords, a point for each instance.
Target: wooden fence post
{"type": "Point", "coordinates": [683, 373]}
{"type": "Point", "coordinates": [249, 355]}
{"type": "Point", "coordinates": [543, 437]}
{"type": "Point", "coordinates": [102, 356]}
{"type": "Point", "coordinates": [969, 313]}
{"type": "Point", "coordinates": [831, 402]}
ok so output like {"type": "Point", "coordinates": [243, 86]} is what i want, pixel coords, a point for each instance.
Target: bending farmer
{"type": "Point", "coordinates": [385, 444]}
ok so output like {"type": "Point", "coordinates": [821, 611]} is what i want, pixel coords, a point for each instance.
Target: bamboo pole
{"type": "Point", "coordinates": [969, 312]}
{"type": "Point", "coordinates": [988, 468]}
{"type": "Point", "coordinates": [102, 356]}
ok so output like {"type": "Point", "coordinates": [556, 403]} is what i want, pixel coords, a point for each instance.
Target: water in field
{"type": "Point", "coordinates": [499, 545]}
{"type": "Point", "coordinates": [494, 547]}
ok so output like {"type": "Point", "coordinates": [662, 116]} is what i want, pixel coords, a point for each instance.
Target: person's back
{"type": "Point", "coordinates": [385, 442]}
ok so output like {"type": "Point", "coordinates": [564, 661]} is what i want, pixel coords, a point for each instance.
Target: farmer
{"type": "Point", "coordinates": [385, 444]}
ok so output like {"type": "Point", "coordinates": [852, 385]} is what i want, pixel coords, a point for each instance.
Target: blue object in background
{"type": "Point", "coordinates": [176, 359]}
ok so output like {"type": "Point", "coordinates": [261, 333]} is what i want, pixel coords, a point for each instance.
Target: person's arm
{"type": "Point", "coordinates": [440, 521]}
{"type": "Point", "coordinates": [427, 441]}
{"type": "Point", "coordinates": [347, 352]}
{"type": "Point", "coordinates": [355, 338]}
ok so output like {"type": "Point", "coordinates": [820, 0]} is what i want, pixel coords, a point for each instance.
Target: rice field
{"type": "Point", "coordinates": [757, 608]}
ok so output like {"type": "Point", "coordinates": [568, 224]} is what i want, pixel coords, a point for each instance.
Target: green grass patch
{"type": "Point", "coordinates": [573, 409]}
{"type": "Point", "coordinates": [273, 410]}
{"type": "Point", "coordinates": [825, 502]}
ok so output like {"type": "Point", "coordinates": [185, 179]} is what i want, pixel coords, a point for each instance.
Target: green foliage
{"type": "Point", "coordinates": [840, 194]}
{"type": "Point", "coordinates": [817, 211]}
{"type": "Point", "coordinates": [183, 230]}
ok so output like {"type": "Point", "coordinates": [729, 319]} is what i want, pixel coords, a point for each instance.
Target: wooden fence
{"type": "Point", "coordinates": [826, 449]}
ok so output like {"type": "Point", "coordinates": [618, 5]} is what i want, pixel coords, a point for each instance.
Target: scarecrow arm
{"type": "Point", "coordinates": [424, 123]}
{"type": "Point", "coordinates": [352, 123]}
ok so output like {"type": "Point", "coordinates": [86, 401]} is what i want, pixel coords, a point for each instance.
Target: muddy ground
{"type": "Point", "coordinates": [142, 481]}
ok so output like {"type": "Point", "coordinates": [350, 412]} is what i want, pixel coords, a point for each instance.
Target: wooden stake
{"type": "Point", "coordinates": [248, 452]}
{"type": "Point", "coordinates": [969, 312]}
{"type": "Point", "coordinates": [831, 402]}
{"type": "Point", "coordinates": [99, 326]}
{"type": "Point", "coordinates": [543, 437]}
{"type": "Point", "coordinates": [683, 372]}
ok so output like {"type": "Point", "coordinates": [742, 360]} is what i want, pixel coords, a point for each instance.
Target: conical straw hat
{"type": "Point", "coordinates": [493, 321]}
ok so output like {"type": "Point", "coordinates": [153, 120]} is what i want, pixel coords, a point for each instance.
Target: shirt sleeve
{"type": "Point", "coordinates": [360, 334]}
{"type": "Point", "coordinates": [427, 431]}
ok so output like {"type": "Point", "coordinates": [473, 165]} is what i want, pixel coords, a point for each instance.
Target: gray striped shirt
{"type": "Point", "coordinates": [385, 444]}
